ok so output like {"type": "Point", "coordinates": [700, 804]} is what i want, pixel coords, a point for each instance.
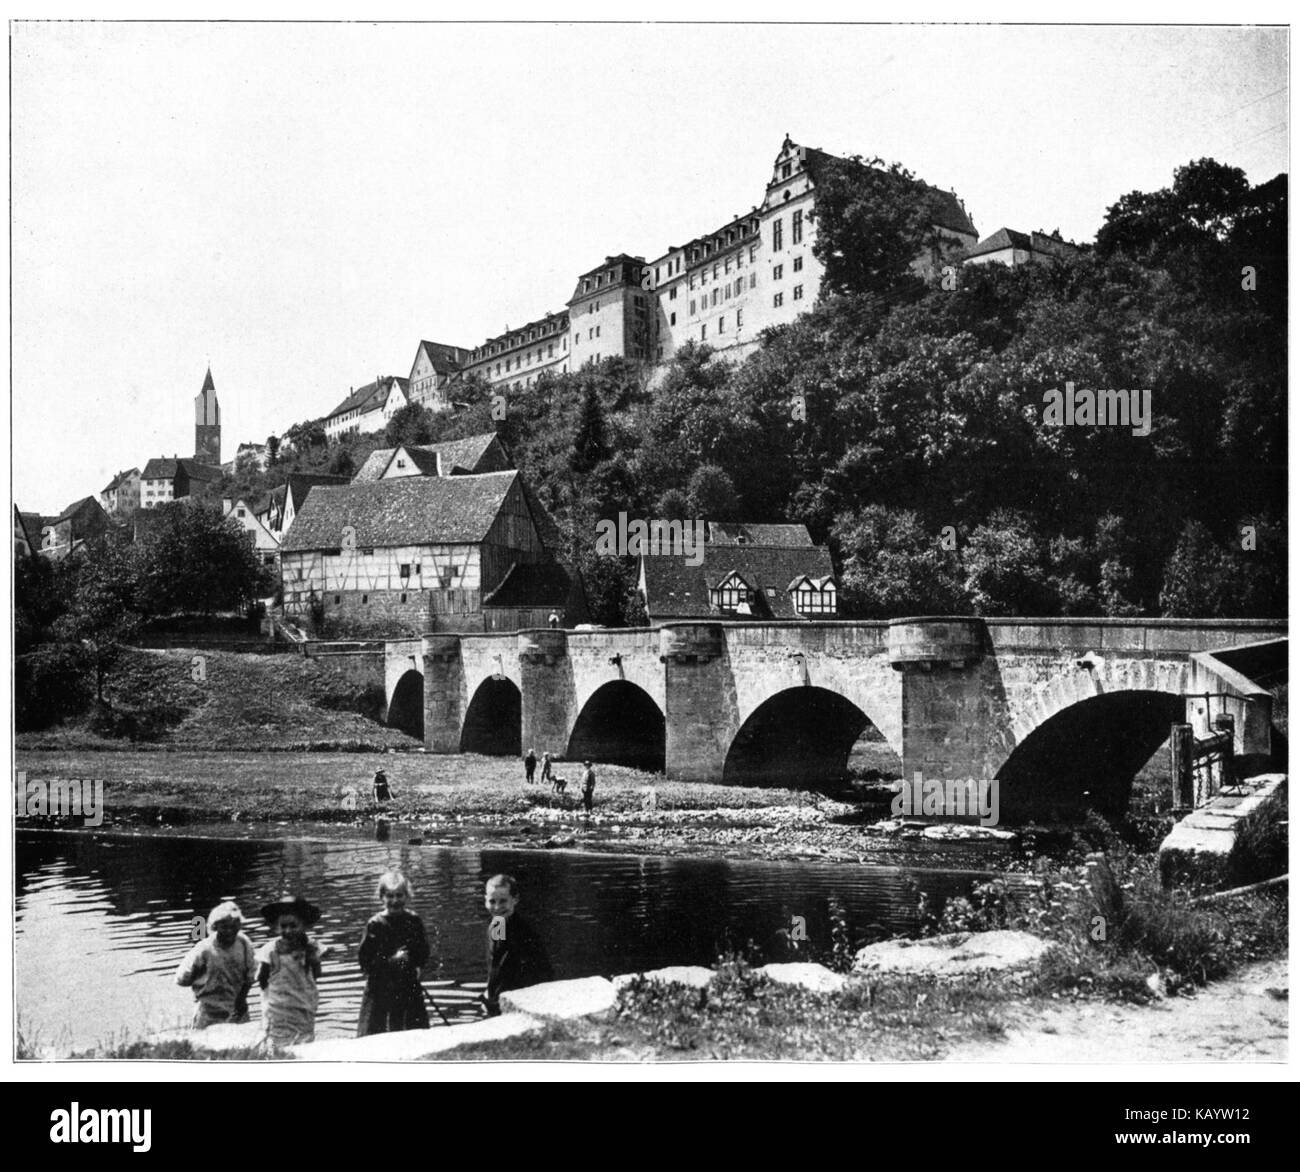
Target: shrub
{"type": "Point", "coordinates": [50, 684]}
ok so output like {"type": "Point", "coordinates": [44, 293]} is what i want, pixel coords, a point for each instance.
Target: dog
{"type": "Point", "coordinates": [558, 784]}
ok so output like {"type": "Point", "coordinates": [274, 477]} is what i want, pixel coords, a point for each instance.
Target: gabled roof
{"type": "Point", "coordinates": [166, 468]}
{"type": "Point", "coordinates": [448, 458]}
{"type": "Point", "coordinates": [412, 510]}
{"type": "Point", "coordinates": [1002, 239]}
{"type": "Point", "coordinates": [463, 454]}
{"type": "Point", "coordinates": [300, 484]}
{"type": "Point", "coordinates": [159, 468]}
{"type": "Point", "coordinates": [374, 466]}
{"type": "Point", "coordinates": [370, 397]}
{"type": "Point", "coordinates": [196, 470]}
{"type": "Point", "coordinates": [746, 533]}
{"type": "Point", "coordinates": [76, 507]}
{"type": "Point", "coordinates": [677, 590]}
{"type": "Point", "coordinates": [443, 358]}
{"type": "Point", "coordinates": [120, 479]}
{"type": "Point", "coordinates": [529, 584]}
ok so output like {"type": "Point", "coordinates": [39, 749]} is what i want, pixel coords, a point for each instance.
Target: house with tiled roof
{"type": "Point", "coordinates": [459, 457]}
{"type": "Point", "coordinates": [741, 580]}
{"type": "Point", "coordinates": [120, 497]}
{"type": "Point", "coordinates": [164, 480]}
{"type": "Point", "coordinates": [80, 522]}
{"type": "Point", "coordinates": [368, 409]}
{"type": "Point", "coordinates": [426, 553]}
{"type": "Point", "coordinates": [276, 511]}
{"type": "Point", "coordinates": [266, 545]}
{"type": "Point", "coordinates": [1011, 248]}
{"type": "Point", "coordinates": [436, 365]}
{"type": "Point", "coordinates": [24, 543]}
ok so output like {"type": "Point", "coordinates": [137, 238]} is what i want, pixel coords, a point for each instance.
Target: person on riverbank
{"type": "Point", "coordinates": [530, 765]}
{"type": "Point", "coordinates": [588, 786]}
{"type": "Point", "coordinates": [382, 791]}
{"type": "Point", "coordinates": [516, 957]}
{"type": "Point", "coordinates": [220, 969]}
{"type": "Point", "coordinates": [394, 950]}
{"type": "Point", "coordinates": [288, 969]}
{"type": "Point", "coordinates": [546, 768]}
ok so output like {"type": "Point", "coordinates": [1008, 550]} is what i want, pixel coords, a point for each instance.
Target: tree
{"type": "Point", "coordinates": [104, 611]}
{"type": "Point", "coordinates": [873, 221]}
{"type": "Point", "coordinates": [712, 495]}
{"type": "Point", "coordinates": [195, 560]}
{"type": "Point", "coordinates": [894, 566]}
{"type": "Point", "coordinates": [591, 440]}
{"type": "Point", "coordinates": [309, 434]}
{"type": "Point", "coordinates": [1005, 570]}
{"type": "Point", "coordinates": [410, 425]}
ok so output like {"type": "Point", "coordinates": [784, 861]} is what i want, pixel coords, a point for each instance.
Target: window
{"type": "Point", "coordinates": [740, 318]}
{"type": "Point", "coordinates": [714, 300]}
{"type": "Point", "coordinates": [796, 227]}
{"type": "Point", "coordinates": [722, 324]}
{"type": "Point", "coordinates": [812, 598]}
{"type": "Point", "coordinates": [401, 463]}
{"type": "Point", "coordinates": [337, 600]}
{"type": "Point", "coordinates": [672, 293]}
{"type": "Point", "coordinates": [753, 253]}
{"type": "Point", "coordinates": [368, 552]}
{"type": "Point", "coordinates": [785, 170]}
{"type": "Point", "coordinates": [692, 309]}
{"type": "Point", "coordinates": [403, 597]}
{"type": "Point", "coordinates": [777, 243]}
{"type": "Point", "coordinates": [672, 319]}
{"type": "Point", "coordinates": [704, 331]}
{"type": "Point", "coordinates": [715, 270]}
{"type": "Point", "coordinates": [777, 300]}
{"type": "Point", "coordinates": [365, 598]}
{"type": "Point", "coordinates": [798, 264]}
{"type": "Point", "coordinates": [798, 292]}
{"type": "Point", "coordinates": [730, 594]}
{"type": "Point", "coordinates": [241, 512]}
{"type": "Point", "coordinates": [598, 331]}
{"type": "Point", "coordinates": [404, 569]}
{"type": "Point", "coordinates": [778, 271]}
{"type": "Point", "coordinates": [753, 279]}
{"type": "Point", "coordinates": [417, 568]}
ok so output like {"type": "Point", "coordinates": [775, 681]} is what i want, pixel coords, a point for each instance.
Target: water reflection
{"type": "Point", "coordinates": [102, 921]}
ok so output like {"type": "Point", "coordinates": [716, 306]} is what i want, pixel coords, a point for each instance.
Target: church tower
{"type": "Point", "coordinates": [207, 424]}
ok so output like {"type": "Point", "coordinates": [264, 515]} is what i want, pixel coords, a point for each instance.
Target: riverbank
{"type": "Point", "coordinates": [468, 800]}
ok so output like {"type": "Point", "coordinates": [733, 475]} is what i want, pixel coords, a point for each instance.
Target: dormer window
{"type": "Point", "coordinates": [814, 597]}
{"type": "Point", "coordinates": [732, 594]}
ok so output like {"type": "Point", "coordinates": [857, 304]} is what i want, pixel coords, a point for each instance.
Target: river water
{"type": "Point", "coordinates": [103, 919]}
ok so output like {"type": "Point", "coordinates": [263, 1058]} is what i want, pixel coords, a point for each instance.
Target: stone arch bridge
{"type": "Point", "coordinates": [1057, 709]}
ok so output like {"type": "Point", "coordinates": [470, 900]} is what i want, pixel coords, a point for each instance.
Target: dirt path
{"type": "Point", "coordinates": [1237, 1020]}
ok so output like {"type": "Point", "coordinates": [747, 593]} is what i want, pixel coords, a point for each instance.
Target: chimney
{"type": "Point", "coordinates": [226, 506]}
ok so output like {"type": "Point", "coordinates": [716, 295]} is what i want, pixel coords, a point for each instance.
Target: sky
{"type": "Point", "coordinates": [297, 205]}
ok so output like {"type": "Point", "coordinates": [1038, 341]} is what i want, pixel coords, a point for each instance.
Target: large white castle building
{"type": "Point", "coordinates": [722, 288]}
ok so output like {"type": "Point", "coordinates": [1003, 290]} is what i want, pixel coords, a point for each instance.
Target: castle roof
{"type": "Point", "coordinates": [443, 358]}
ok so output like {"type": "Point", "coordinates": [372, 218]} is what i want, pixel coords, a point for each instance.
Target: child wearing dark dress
{"type": "Point", "coordinates": [393, 950]}
{"type": "Point", "coordinates": [516, 957]}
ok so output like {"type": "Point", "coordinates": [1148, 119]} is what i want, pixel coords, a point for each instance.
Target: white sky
{"type": "Point", "coordinates": [299, 204]}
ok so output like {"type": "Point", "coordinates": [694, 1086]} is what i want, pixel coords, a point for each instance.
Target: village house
{"type": "Point", "coordinates": [427, 553]}
{"type": "Point", "coordinates": [461, 457]}
{"type": "Point", "coordinates": [434, 367]}
{"type": "Point", "coordinates": [80, 522]}
{"type": "Point", "coordinates": [1011, 248]}
{"type": "Point", "coordinates": [121, 496]}
{"type": "Point", "coordinates": [265, 543]}
{"type": "Point", "coordinates": [277, 511]}
{"type": "Point", "coordinates": [25, 543]}
{"type": "Point", "coordinates": [748, 573]}
{"type": "Point", "coordinates": [367, 409]}
{"type": "Point", "coordinates": [164, 480]}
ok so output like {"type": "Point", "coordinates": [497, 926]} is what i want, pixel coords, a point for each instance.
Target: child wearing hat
{"type": "Point", "coordinates": [288, 969]}
{"type": "Point", "coordinates": [220, 969]}
{"type": "Point", "coordinates": [393, 951]}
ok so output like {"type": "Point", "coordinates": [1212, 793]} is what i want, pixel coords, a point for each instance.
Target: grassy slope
{"type": "Point", "coordinates": [252, 702]}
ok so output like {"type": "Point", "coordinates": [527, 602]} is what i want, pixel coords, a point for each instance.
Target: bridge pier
{"type": "Point", "coordinates": [444, 691]}
{"type": "Point", "coordinates": [696, 678]}
{"type": "Point", "coordinates": [546, 681]}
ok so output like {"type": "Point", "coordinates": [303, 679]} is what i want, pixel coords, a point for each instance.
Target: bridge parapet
{"type": "Point", "coordinates": [696, 643]}
{"type": "Point", "coordinates": [956, 642]}
{"type": "Point", "coordinates": [543, 646]}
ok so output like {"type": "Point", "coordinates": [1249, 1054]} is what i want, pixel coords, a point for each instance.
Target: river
{"type": "Point", "coordinates": [103, 919]}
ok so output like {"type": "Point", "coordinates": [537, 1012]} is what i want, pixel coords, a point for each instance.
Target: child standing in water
{"type": "Point", "coordinates": [289, 967]}
{"type": "Point", "coordinates": [220, 968]}
{"type": "Point", "coordinates": [393, 951]}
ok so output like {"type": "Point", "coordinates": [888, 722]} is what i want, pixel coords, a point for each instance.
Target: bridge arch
{"type": "Point", "coordinates": [801, 735]}
{"type": "Point", "coordinates": [406, 704]}
{"type": "Point", "coordinates": [620, 724]}
{"type": "Point", "coordinates": [1086, 754]}
{"type": "Point", "coordinates": [494, 719]}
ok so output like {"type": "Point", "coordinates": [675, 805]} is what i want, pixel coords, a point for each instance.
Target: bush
{"type": "Point", "coordinates": [50, 684]}
{"type": "Point", "coordinates": [1259, 851]}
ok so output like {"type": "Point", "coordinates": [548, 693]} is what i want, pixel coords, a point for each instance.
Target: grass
{"type": "Point", "coordinates": [248, 702]}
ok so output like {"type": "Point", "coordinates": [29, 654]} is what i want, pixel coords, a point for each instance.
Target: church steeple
{"type": "Point", "coordinates": [207, 423]}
